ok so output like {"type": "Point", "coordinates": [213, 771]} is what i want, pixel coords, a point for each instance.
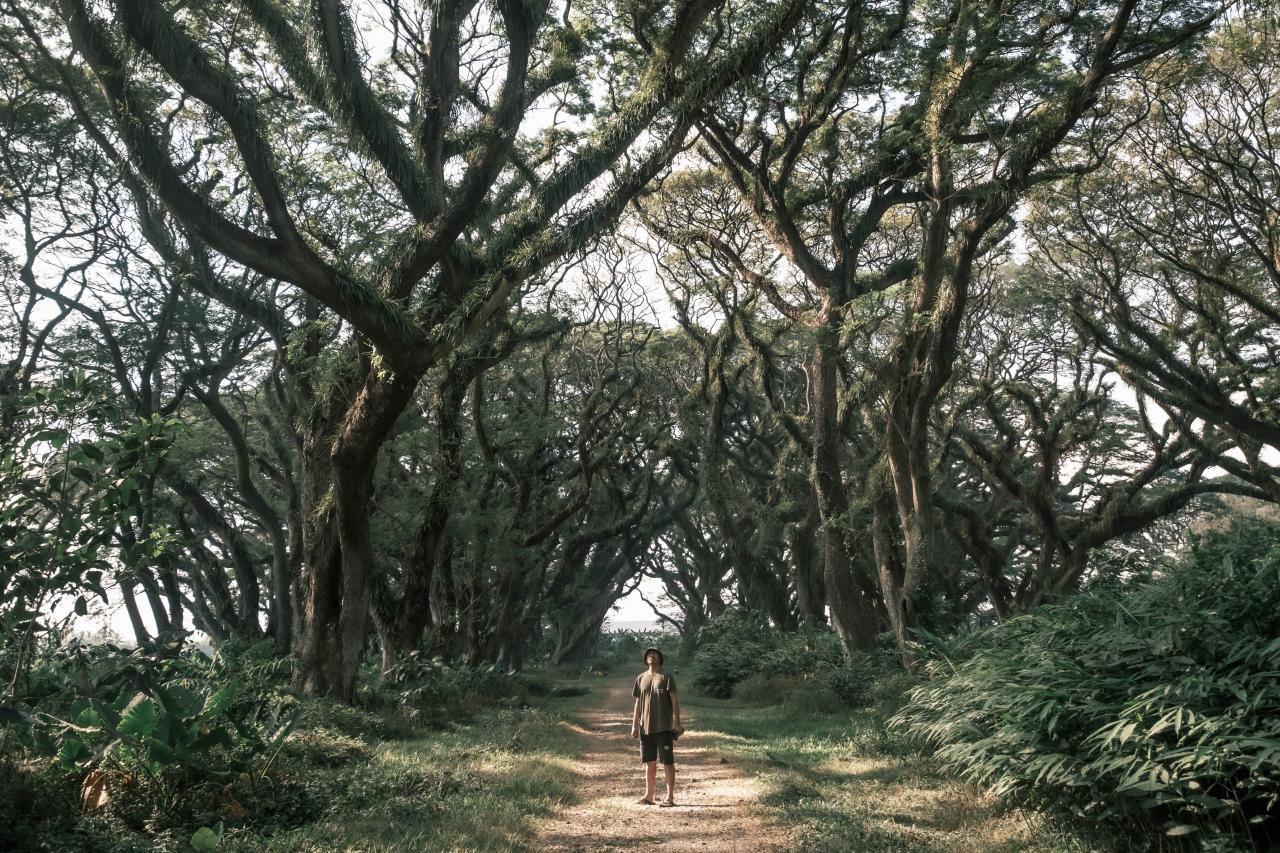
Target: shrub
{"type": "Point", "coordinates": [739, 655]}
{"type": "Point", "coordinates": [626, 646]}
{"type": "Point", "coordinates": [812, 698]}
{"type": "Point", "coordinates": [762, 689]}
{"type": "Point", "coordinates": [141, 713]}
{"type": "Point", "coordinates": [1162, 704]}
{"type": "Point", "coordinates": [867, 678]}
{"type": "Point", "coordinates": [153, 742]}
{"type": "Point", "coordinates": [431, 684]}
{"type": "Point", "coordinates": [731, 647]}
{"type": "Point", "coordinates": [803, 653]}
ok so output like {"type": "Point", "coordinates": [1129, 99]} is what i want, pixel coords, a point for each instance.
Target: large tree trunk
{"type": "Point", "coordinates": [810, 595]}
{"type": "Point", "coordinates": [316, 671]}
{"type": "Point", "coordinates": [919, 369]}
{"type": "Point", "coordinates": [889, 567]}
{"type": "Point", "coordinates": [337, 485]}
{"type": "Point", "coordinates": [852, 616]}
{"type": "Point", "coordinates": [909, 470]}
{"type": "Point", "coordinates": [430, 595]}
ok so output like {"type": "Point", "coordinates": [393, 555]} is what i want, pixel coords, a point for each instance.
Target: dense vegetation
{"type": "Point", "coordinates": [363, 355]}
{"type": "Point", "coordinates": [1160, 702]}
{"type": "Point", "coordinates": [183, 751]}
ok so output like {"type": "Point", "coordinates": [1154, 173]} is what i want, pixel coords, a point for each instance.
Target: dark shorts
{"type": "Point", "coordinates": [658, 747]}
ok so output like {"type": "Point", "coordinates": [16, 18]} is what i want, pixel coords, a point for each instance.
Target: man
{"type": "Point", "coordinates": [656, 722]}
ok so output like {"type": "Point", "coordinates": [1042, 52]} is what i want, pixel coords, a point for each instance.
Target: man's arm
{"type": "Point", "coordinates": [675, 711]}
{"type": "Point", "coordinates": [635, 720]}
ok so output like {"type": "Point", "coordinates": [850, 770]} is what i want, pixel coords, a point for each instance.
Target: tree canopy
{"type": "Point", "coordinates": [377, 327]}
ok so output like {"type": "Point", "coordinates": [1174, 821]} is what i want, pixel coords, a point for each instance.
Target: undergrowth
{"type": "Point", "coordinates": [1158, 708]}
{"type": "Point", "coordinates": [841, 780]}
{"type": "Point", "coordinates": [190, 752]}
{"type": "Point", "coordinates": [740, 655]}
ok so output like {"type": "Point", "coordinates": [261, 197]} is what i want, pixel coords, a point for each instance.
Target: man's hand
{"type": "Point", "coordinates": [635, 732]}
{"type": "Point", "coordinates": [679, 730]}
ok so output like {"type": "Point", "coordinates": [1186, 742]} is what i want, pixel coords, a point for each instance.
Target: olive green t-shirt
{"type": "Point", "coordinates": [655, 691]}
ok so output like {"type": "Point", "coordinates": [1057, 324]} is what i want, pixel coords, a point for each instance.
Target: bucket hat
{"type": "Point", "coordinates": [662, 659]}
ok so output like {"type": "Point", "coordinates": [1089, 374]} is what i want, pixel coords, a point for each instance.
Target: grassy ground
{"type": "Point", "coordinates": [373, 779]}
{"type": "Point", "coordinates": [477, 784]}
{"type": "Point", "coordinates": [474, 777]}
{"type": "Point", "coordinates": [841, 782]}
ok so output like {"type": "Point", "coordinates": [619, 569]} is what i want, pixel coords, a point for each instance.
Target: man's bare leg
{"type": "Point", "coordinates": [650, 778]}
{"type": "Point", "coordinates": [670, 771]}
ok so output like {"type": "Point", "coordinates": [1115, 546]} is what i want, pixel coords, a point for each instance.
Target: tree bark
{"type": "Point", "coordinates": [852, 616]}
{"type": "Point", "coordinates": [337, 485]}
{"type": "Point", "coordinates": [810, 596]}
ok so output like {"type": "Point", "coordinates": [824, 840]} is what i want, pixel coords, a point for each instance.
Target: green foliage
{"type": "Point", "coordinates": [761, 688]}
{"type": "Point", "coordinates": [730, 648]}
{"type": "Point", "coordinates": [62, 496]}
{"type": "Point", "coordinates": [739, 655]}
{"type": "Point", "coordinates": [437, 688]}
{"type": "Point", "coordinates": [205, 838]}
{"type": "Point", "coordinates": [1161, 705]}
{"type": "Point", "coordinates": [340, 782]}
{"type": "Point", "coordinates": [626, 647]}
{"type": "Point", "coordinates": [138, 714]}
{"type": "Point", "coordinates": [145, 741]}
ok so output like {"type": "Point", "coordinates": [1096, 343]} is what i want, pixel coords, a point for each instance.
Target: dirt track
{"type": "Point", "coordinates": [714, 795]}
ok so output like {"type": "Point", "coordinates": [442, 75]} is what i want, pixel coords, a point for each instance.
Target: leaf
{"type": "Point", "coordinates": [139, 717]}
{"type": "Point", "coordinates": [287, 725]}
{"type": "Point", "coordinates": [70, 752]}
{"type": "Point", "coordinates": [93, 791]}
{"type": "Point", "coordinates": [82, 606]}
{"type": "Point", "coordinates": [128, 491]}
{"type": "Point", "coordinates": [88, 718]}
{"type": "Point", "coordinates": [162, 753]}
{"type": "Point", "coordinates": [217, 702]}
{"type": "Point", "coordinates": [178, 700]}
{"type": "Point", "coordinates": [15, 716]}
{"type": "Point", "coordinates": [1180, 829]}
{"type": "Point", "coordinates": [54, 437]}
{"type": "Point", "coordinates": [205, 838]}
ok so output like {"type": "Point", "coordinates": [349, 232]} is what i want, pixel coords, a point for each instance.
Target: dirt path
{"type": "Point", "coordinates": [714, 793]}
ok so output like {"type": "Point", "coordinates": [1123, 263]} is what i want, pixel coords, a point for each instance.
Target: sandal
{"type": "Point", "coordinates": [644, 801]}
{"type": "Point", "coordinates": [666, 804]}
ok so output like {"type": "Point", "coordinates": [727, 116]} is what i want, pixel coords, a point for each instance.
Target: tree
{"type": "Point", "coordinates": [1175, 265]}
{"type": "Point", "coordinates": [393, 186]}
{"type": "Point", "coordinates": [1046, 461]}
{"type": "Point", "coordinates": [883, 155]}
